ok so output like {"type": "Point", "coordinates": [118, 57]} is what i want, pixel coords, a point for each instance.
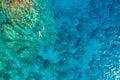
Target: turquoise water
{"type": "Point", "coordinates": [61, 40]}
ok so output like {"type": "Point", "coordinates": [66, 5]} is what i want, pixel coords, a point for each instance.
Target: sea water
{"type": "Point", "coordinates": [59, 40]}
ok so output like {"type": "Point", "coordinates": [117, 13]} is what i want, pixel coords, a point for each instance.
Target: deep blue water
{"type": "Point", "coordinates": [89, 38]}
{"type": "Point", "coordinates": [85, 42]}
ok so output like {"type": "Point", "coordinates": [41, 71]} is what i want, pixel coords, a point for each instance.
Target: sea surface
{"type": "Point", "coordinates": [59, 39]}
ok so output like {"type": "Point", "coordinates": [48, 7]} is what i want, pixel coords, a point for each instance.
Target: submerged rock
{"type": "Point", "coordinates": [24, 28]}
